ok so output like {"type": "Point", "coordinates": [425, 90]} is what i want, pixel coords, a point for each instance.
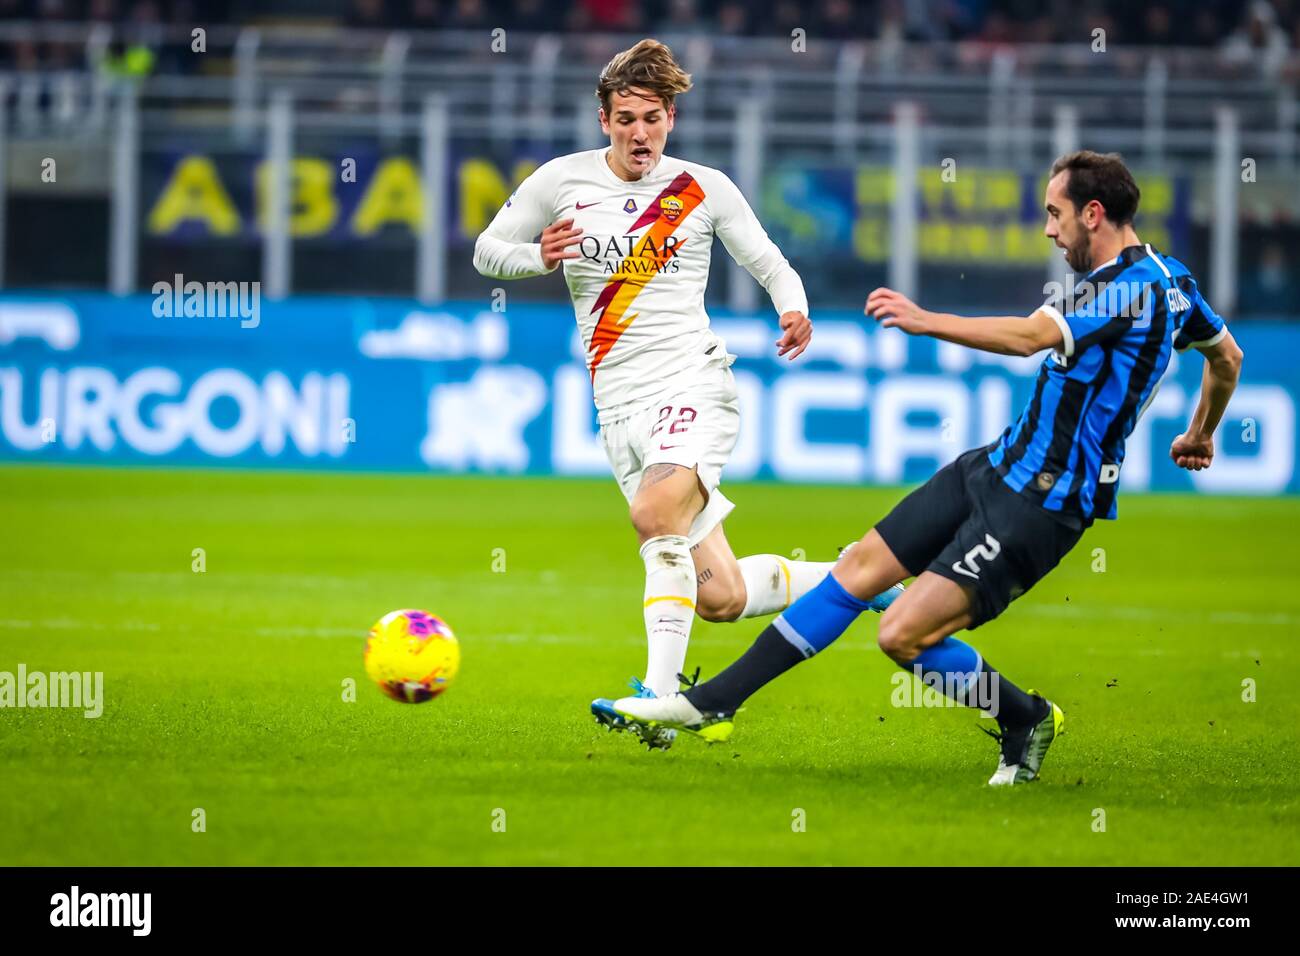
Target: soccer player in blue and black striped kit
{"type": "Point", "coordinates": [989, 525]}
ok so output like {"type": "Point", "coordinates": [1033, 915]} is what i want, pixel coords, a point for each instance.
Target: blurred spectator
{"type": "Point", "coordinates": [531, 16]}
{"type": "Point", "coordinates": [366, 14]}
{"type": "Point", "coordinates": [423, 15]}
{"type": "Point", "coordinates": [684, 17]}
{"type": "Point", "coordinates": [146, 12]}
{"type": "Point", "coordinates": [607, 14]}
{"type": "Point", "coordinates": [103, 11]}
{"type": "Point", "coordinates": [23, 56]}
{"type": "Point", "coordinates": [785, 17]}
{"type": "Point", "coordinates": [55, 10]}
{"type": "Point", "coordinates": [964, 17]}
{"type": "Point", "coordinates": [925, 20]}
{"type": "Point", "coordinates": [1271, 288]}
{"type": "Point", "coordinates": [471, 15]}
{"type": "Point", "coordinates": [892, 28]}
{"type": "Point", "coordinates": [1206, 28]}
{"type": "Point", "coordinates": [841, 19]}
{"type": "Point", "coordinates": [1258, 34]}
{"type": "Point", "coordinates": [1158, 26]}
{"type": "Point", "coordinates": [733, 18]}
{"type": "Point", "coordinates": [998, 31]}
{"type": "Point", "coordinates": [1258, 41]}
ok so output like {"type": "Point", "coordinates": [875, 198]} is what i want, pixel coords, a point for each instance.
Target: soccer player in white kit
{"type": "Point", "coordinates": [634, 231]}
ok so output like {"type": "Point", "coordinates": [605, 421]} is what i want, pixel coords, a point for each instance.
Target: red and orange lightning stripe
{"type": "Point", "coordinates": [624, 286]}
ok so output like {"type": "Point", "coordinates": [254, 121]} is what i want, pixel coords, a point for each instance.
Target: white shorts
{"type": "Point", "coordinates": [696, 427]}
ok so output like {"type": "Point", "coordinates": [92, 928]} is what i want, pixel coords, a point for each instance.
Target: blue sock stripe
{"type": "Point", "coordinates": [843, 595]}
{"type": "Point", "coordinates": [819, 617]}
{"type": "Point", "coordinates": [786, 630]}
{"type": "Point", "coordinates": [948, 660]}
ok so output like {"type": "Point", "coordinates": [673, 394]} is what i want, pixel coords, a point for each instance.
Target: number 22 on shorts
{"type": "Point", "coordinates": [676, 426]}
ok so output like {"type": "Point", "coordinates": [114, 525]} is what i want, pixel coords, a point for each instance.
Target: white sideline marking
{"type": "Point", "coordinates": [1159, 614]}
{"type": "Point", "coordinates": [1279, 619]}
{"type": "Point", "coordinates": [351, 633]}
{"type": "Point", "coordinates": [542, 582]}
{"type": "Point", "coordinates": [632, 638]}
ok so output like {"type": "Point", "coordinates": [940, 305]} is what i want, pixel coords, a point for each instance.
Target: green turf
{"type": "Point", "coordinates": [224, 690]}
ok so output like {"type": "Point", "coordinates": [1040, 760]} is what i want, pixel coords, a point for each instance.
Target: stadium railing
{"type": "Point", "coordinates": [438, 97]}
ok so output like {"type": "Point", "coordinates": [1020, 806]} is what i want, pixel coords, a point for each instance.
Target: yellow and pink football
{"type": "Point", "coordinates": [412, 656]}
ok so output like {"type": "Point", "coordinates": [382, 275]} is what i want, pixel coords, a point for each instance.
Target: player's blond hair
{"type": "Point", "coordinates": [649, 65]}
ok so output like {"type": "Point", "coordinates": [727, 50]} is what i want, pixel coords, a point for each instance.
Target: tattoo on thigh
{"type": "Point", "coordinates": [704, 575]}
{"type": "Point", "coordinates": [657, 473]}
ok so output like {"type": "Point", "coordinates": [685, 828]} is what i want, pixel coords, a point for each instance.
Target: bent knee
{"type": "Point", "coordinates": [720, 604]}
{"type": "Point", "coordinates": [650, 520]}
{"type": "Point", "coordinates": [868, 566]}
{"type": "Point", "coordinates": [721, 612]}
{"type": "Point", "coordinates": [897, 638]}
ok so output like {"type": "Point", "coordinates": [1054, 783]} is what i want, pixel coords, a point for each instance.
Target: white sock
{"type": "Point", "coordinates": [773, 583]}
{"type": "Point", "coordinates": [669, 609]}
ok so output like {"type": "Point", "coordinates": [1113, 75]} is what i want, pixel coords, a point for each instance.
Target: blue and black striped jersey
{"type": "Point", "coordinates": [1120, 325]}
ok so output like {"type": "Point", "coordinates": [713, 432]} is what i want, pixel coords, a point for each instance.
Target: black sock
{"type": "Point", "coordinates": [1015, 708]}
{"type": "Point", "coordinates": [770, 656]}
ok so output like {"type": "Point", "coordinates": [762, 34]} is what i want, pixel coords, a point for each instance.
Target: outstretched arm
{"type": "Point", "coordinates": [1004, 334]}
{"type": "Point", "coordinates": [1194, 448]}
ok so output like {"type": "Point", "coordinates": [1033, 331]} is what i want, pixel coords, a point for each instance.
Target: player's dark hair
{"type": "Point", "coordinates": [649, 65]}
{"type": "Point", "coordinates": [1103, 177]}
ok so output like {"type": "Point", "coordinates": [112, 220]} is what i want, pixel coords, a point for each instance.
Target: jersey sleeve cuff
{"type": "Point", "coordinates": [1206, 343]}
{"type": "Point", "coordinates": [798, 305]}
{"type": "Point", "coordinates": [536, 249]}
{"type": "Point", "coordinates": [1053, 313]}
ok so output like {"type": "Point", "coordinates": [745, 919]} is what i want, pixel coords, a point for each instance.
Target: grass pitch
{"type": "Point", "coordinates": [224, 690]}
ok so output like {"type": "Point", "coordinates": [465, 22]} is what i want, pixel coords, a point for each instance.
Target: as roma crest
{"type": "Point", "coordinates": [670, 207]}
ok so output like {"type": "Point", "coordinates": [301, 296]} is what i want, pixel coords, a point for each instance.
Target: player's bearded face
{"type": "Point", "coordinates": [1078, 250]}
{"type": "Point", "coordinates": [1065, 226]}
{"type": "Point", "coordinates": [638, 125]}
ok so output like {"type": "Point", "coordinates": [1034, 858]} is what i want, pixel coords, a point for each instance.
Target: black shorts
{"type": "Point", "coordinates": [967, 525]}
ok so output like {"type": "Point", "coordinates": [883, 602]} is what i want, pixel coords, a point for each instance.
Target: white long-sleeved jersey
{"type": "Point", "coordinates": [638, 284]}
